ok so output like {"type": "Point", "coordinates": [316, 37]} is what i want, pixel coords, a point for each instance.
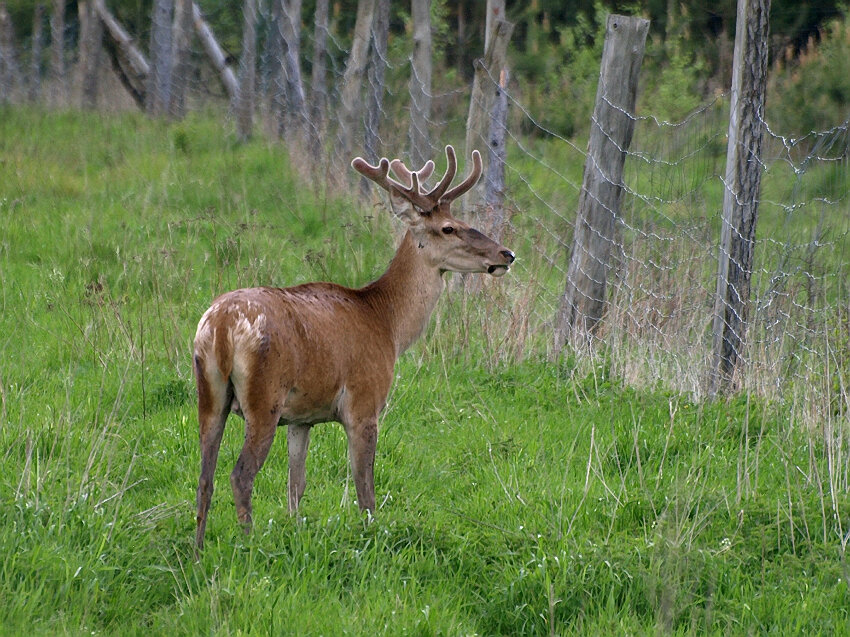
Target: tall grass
{"type": "Point", "coordinates": [516, 495]}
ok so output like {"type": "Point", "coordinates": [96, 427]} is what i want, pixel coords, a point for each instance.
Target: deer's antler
{"type": "Point", "coordinates": [424, 201]}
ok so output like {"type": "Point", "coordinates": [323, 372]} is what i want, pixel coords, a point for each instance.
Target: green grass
{"type": "Point", "coordinates": [517, 496]}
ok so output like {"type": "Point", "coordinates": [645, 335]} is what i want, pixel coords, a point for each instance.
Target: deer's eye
{"type": "Point", "coordinates": [448, 229]}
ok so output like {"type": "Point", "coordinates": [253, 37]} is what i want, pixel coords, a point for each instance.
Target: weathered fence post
{"type": "Point", "coordinates": [740, 199]}
{"type": "Point", "coordinates": [583, 300]}
{"type": "Point", "coordinates": [484, 90]}
{"type": "Point", "coordinates": [494, 181]}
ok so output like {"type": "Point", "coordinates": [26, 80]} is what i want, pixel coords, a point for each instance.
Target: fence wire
{"type": "Point", "coordinates": [661, 285]}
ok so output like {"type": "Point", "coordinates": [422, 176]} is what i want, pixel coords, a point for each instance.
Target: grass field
{"type": "Point", "coordinates": [516, 496]}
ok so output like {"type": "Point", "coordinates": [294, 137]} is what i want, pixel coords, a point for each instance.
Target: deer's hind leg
{"type": "Point", "coordinates": [214, 396]}
{"type": "Point", "coordinates": [262, 407]}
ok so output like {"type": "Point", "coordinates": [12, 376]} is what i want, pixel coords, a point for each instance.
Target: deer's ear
{"type": "Point", "coordinates": [403, 209]}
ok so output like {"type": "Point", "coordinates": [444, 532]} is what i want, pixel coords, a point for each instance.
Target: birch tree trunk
{"type": "Point", "coordinates": [37, 46]}
{"type": "Point", "coordinates": [129, 63]}
{"type": "Point", "coordinates": [290, 101]}
{"type": "Point", "coordinates": [247, 72]}
{"type": "Point", "coordinates": [8, 57]}
{"type": "Point", "coordinates": [91, 45]}
{"type": "Point", "coordinates": [420, 84]}
{"type": "Point", "coordinates": [57, 53]}
{"type": "Point", "coordinates": [352, 81]}
{"type": "Point", "coordinates": [214, 52]}
{"type": "Point", "coordinates": [318, 80]}
{"type": "Point", "coordinates": [377, 71]}
{"type": "Point", "coordinates": [159, 80]}
{"type": "Point", "coordinates": [181, 57]}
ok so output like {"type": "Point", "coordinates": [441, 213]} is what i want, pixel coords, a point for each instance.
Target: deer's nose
{"type": "Point", "coordinates": [509, 256]}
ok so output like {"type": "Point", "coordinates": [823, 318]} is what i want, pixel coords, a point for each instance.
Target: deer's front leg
{"type": "Point", "coordinates": [362, 440]}
{"type": "Point", "coordinates": [298, 439]}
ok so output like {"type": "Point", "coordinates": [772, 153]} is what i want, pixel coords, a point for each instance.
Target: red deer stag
{"type": "Point", "coordinates": [321, 352]}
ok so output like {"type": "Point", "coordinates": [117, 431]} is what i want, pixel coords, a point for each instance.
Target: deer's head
{"type": "Point", "coordinates": [447, 243]}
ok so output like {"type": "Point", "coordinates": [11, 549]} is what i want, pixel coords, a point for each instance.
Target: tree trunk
{"type": "Point", "coordinates": [247, 72]}
{"type": "Point", "coordinates": [595, 233]}
{"type": "Point", "coordinates": [57, 53]}
{"type": "Point", "coordinates": [182, 58]}
{"type": "Point", "coordinates": [377, 70]}
{"type": "Point", "coordinates": [215, 54]}
{"type": "Point", "coordinates": [318, 80]}
{"type": "Point", "coordinates": [129, 63]}
{"type": "Point", "coordinates": [91, 45]}
{"type": "Point", "coordinates": [741, 197]}
{"type": "Point", "coordinates": [159, 80]}
{"type": "Point", "coordinates": [420, 84]}
{"type": "Point", "coordinates": [37, 46]}
{"type": "Point", "coordinates": [9, 75]}
{"type": "Point", "coordinates": [289, 100]}
{"type": "Point", "coordinates": [352, 82]}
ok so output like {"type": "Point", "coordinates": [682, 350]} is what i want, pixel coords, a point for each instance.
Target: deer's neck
{"type": "Point", "coordinates": [406, 293]}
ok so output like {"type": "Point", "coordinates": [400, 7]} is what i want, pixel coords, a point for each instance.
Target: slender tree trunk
{"type": "Point", "coordinates": [420, 84]}
{"type": "Point", "coordinates": [214, 52]}
{"type": "Point", "coordinates": [290, 103]}
{"type": "Point", "coordinates": [8, 57]}
{"type": "Point", "coordinates": [129, 63]}
{"type": "Point", "coordinates": [182, 58]}
{"type": "Point", "coordinates": [318, 80]}
{"type": "Point", "coordinates": [37, 46]}
{"type": "Point", "coordinates": [159, 80]}
{"type": "Point", "coordinates": [57, 53]}
{"type": "Point", "coordinates": [91, 45]}
{"type": "Point", "coordinates": [377, 70]}
{"type": "Point", "coordinates": [352, 81]}
{"type": "Point", "coordinates": [247, 72]}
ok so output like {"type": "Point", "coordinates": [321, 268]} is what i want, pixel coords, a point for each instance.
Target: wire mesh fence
{"type": "Point", "coordinates": [656, 328]}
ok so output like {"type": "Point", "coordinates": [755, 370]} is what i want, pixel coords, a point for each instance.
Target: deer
{"type": "Point", "coordinates": [322, 352]}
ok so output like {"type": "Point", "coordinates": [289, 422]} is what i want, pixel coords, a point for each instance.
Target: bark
{"type": "Point", "coordinates": [420, 84]}
{"type": "Point", "coordinates": [377, 71]}
{"type": "Point", "coordinates": [741, 197]}
{"type": "Point", "coordinates": [9, 76]}
{"type": "Point", "coordinates": [596, 227]}
{"type": "Point", "coordinates": [159, 80]}
{"type": "Point", "coordinates": [214, 52]}
{"type": "Point", "coordinates": [129, 63]}
{"type": "Point", "coordinates": [247, 72]}
{"type": "Point", "coordinates": [318, 80]}
{"type": "Point", "coordinates": [484, 89]}
{"type": "Point", "coordinates": [57, 52]}
{"type": "Point", "coordinates": [182, 58]}
{"type": "Point", "coordinates": [37, 47]}
{"type": "Point", "coordinates": [91, 46]}
{"type": "Point", "coordinates": [352, 81]}
{"type": "Point", "coordinates": [290, 103]}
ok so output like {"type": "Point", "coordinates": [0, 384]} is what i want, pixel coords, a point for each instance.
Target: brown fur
{"type": "Point", "coordinates": [322, 352]}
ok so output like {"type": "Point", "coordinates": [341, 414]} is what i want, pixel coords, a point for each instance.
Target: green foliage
{"type": "Point", "coordinates": [812, 91]}
{"type": "Point", "coordinates": [526, 498]}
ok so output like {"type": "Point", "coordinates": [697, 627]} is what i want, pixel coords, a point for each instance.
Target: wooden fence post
{"type": "Point", "coordinates": [740, 199]}
{"type": "Point", "coordinates": [583, 300]}
{"type": "Point", "coordinates": [484, 90]}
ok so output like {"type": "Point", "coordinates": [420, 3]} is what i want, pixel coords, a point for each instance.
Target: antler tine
{"type": "Point", "coordinates": [451, 169]}
{"type": "Point", "coordinates": [380, 175]}
{"type": "Point", "coordinates": [467, 183]}
{"type": "Point", "coordinates": [403, 172]}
